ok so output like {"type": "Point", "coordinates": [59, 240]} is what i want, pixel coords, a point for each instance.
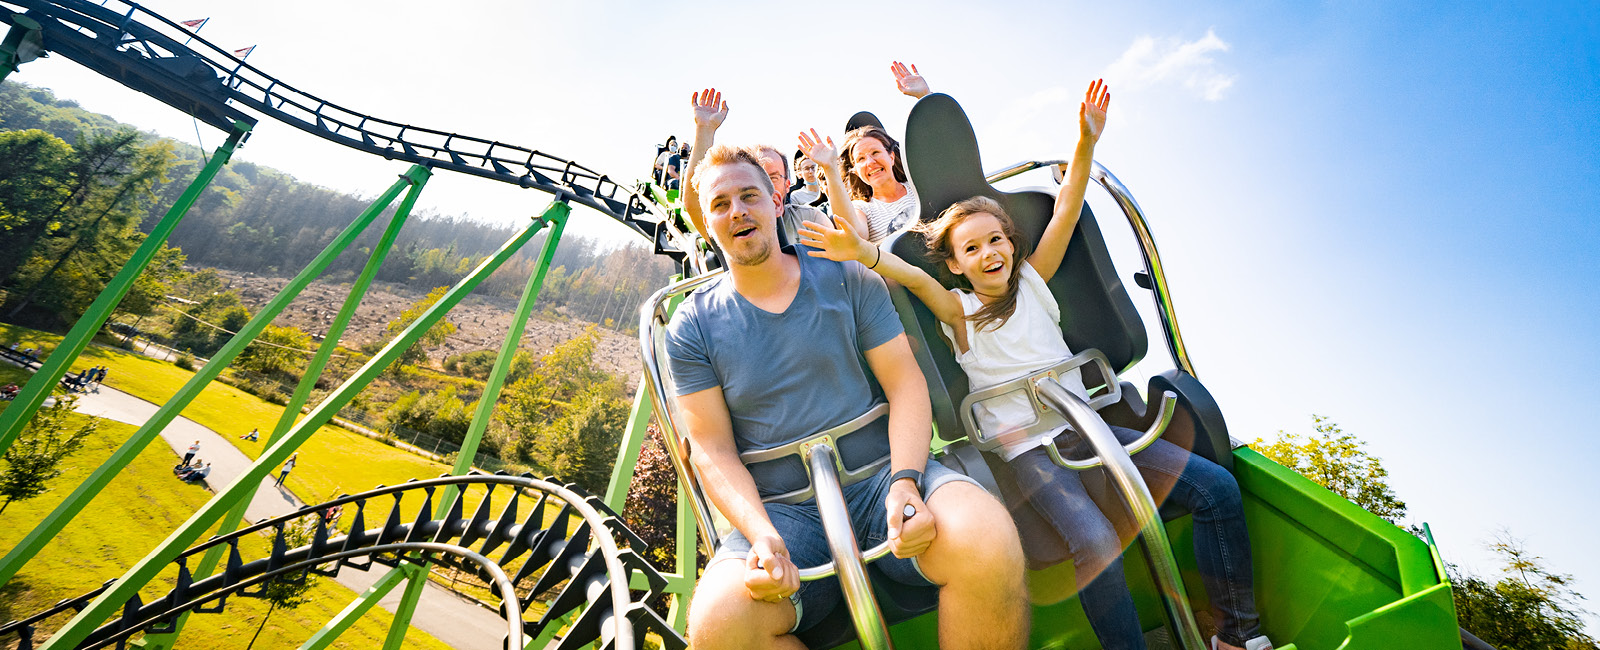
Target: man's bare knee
{"type": "Point", "coordinates": [722, 614]}
{"type": "Point", "coordinates": [976, 537]}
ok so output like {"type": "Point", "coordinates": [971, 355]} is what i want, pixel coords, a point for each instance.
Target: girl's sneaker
{"type": "Point", "coordinates": [1258, 643]}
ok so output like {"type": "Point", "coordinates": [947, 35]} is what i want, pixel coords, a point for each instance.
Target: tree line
{"type": "Point", "coordinates": [78, 190]}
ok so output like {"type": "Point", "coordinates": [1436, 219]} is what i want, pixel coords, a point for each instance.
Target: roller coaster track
{"type": "Point", "coordinates": [564, 540]}
{"type": "Point", "coordinates": [153, 55]}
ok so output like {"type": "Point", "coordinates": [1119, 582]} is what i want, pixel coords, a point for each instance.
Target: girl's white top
{"type": "Point", "coordinates": [1027, 342]}
{"type": "Point", "coordinates": [886, 218]}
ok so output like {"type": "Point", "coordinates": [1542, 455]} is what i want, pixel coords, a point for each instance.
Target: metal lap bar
{"type": "Point", "coordinates": [1045, 419]}
{"type": "Point", "coordinates": [871, 631]}
{"type": "Point", "coordinates": [831, 438]}
{"type": "Point", "coordinates": [1119, 465]}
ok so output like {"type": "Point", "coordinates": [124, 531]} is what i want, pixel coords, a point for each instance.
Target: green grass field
{"type": "Point", "coordinates": [135, 513]}
{"type": "Point", "coordinates": [332, 462]}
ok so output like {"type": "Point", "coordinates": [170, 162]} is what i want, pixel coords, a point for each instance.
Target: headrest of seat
{"type": "Point", "coordinates": [861, 119]}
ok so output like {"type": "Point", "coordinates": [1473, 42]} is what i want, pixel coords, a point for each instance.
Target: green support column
{"type": "Point", "coordinates": [102, 476]}
{"type": "Point", "coordinates": [628, 451]}
{"type": "Point", "coordinates": [480, 418]}
{"type": "Point", "coordinates": [357, 608]}
{"type": "Point", "coordinates": [688, 547]}
{"type": "Point", "coordinates": [398, 627]}
{"type": "Point", "coordinates": [314, 369]}
{"type": "Point", "coordinates": [21, 410]}
{"type": "Point", "coordinates": [112, 599]}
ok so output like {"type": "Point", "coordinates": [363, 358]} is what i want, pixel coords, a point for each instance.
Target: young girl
{"type": "Point", "coordinates": [1003, 324]}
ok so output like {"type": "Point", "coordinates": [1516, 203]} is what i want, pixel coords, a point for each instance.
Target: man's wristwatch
{"type": "Point", "coordinates": [914, 475]}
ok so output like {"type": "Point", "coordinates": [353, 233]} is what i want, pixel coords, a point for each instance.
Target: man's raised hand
{"type": "Point", "coordinates": [908, 81]}
{"type": "Point", "coordinates": [1092, 112]}
{"type": "Point", "coordinates": [769, 574]}
{"type": "Point", "coordinates": [709, 109]}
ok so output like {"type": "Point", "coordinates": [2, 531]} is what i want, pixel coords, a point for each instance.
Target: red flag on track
{"type": "Point", "coordinates": [243, 51]}
{"type": "Point", "coordinates": [194, 24]}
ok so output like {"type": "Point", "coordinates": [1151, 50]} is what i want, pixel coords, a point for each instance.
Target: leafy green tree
{"type": "Point", "coordinates": [97, 162]}
{"type": "Point", "coordinates": [1338, 461]}
{"type": "Point", "coordinates": [568, 415]}
{"type": "Point", "coordinates": [435, 335]}
{"type": "Point", "coordinates": [35, 458]}
{"type": "Point", "coordinates": [101, 232]}
{"type": "Point", "coordinates": [276, 350]}
{"type": "Point", "coordinates": [581, 446]}
{"type": "Point", "coordinates": [34, 180]}
{"type": "Point", "coordinates": [1528, 608]}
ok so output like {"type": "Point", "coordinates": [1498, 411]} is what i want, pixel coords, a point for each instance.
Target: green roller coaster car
{"type": "Point", "coordinates": [1328, 574]}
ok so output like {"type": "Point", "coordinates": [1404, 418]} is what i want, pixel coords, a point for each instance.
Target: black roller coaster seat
{"type": "Point", "coordinates": [942, 158]}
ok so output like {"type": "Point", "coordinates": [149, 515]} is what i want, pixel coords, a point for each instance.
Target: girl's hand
{"type": "Point", "coordinates": [820, 151]}
{"type": "Point", "coordinates": [840, 244]}
{"type": "Point", "coordinates": [709, 109]}
{"type": "Point", "coordinates": [909, 81]}
{"type": "Point", "coordinates": [1092, 112]}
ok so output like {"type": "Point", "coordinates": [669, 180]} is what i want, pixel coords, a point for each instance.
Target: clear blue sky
{"type": "Point", "coordinates": [1381, 214]}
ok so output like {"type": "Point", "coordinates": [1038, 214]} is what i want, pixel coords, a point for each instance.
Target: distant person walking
{"type": "Point", "coordinates": [193, 449]}
{"type": "Point", "coordinates": [289, 465]}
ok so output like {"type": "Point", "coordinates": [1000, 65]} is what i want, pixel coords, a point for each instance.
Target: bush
{"type": "Point", "coordinates": [477, 364]}
{"type": "Point", "coordinates": [185, 361]}
{"type": "Point", "coordinates": [439, 413]}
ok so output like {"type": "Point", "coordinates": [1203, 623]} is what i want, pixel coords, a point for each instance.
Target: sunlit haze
{"type": "Point", "coordinates": [1387, 216]}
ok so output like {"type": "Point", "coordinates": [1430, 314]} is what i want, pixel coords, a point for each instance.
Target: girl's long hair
{"type": "Point", "coordinates": [859, 189]}
{"type": "Point", "coordinates": [936, 234]}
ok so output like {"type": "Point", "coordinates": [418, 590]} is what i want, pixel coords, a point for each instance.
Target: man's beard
{"type": "Point", "coordinates": [754, 257]}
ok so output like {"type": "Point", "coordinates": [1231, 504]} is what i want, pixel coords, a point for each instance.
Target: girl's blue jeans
{"type": "Point", "coordinates": [1221, 542]}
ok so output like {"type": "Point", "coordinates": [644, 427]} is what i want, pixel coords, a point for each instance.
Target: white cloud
{"type": "Point", "coordinates": [1151, 61]}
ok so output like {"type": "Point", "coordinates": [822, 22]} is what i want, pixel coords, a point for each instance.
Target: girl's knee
{"type": "Point", "coordinates": [1094, 543]}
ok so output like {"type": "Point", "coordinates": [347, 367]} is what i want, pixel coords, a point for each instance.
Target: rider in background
{"type": "Point", "coordinates": [1004, 323]}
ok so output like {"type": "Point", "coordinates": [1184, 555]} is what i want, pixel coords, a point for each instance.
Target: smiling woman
{"type": "Point", "coordinates": [878, 183]}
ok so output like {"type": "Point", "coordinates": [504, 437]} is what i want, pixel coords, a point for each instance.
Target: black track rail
{"type": "Point", "coordinates": [561, 563]}
{"type": "Point", "coordinates": [153, 55]}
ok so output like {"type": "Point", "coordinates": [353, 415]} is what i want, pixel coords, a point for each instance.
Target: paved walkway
{"type": "Point", "coordinates": [451, 618]}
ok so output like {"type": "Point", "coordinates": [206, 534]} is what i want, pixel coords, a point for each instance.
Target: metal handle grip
{"type": "Point", "coordinates": [1169, 403]}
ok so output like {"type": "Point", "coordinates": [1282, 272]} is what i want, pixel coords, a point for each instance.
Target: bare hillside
{"type": "Point", "coordinates": [481, 322]}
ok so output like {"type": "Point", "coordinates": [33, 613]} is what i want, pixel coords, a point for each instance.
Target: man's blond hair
{"type": "Point", "coordinates": [727, 154]}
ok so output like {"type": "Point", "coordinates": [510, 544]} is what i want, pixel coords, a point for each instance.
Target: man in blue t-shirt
{"type": "Point", "coordinates": [786, 346]}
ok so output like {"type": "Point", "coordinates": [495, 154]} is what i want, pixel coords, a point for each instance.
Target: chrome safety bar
{"type": "Point", "coordinates": [1045, 419]}
{"type": "Point", "coordinates": [831, 437]}
{"type": "Point", "coordinates": [1164, 568]}
{"type": "Point", "coordinates": [653, 317]}
{"type": "Point", "coordinates": [871, 631]}
{"type": "Point", "coordinates": [1147, 247]}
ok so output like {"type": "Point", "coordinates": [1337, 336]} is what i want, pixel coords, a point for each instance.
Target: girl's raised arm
{"type": "Point", "coordinates": [844, 243]}
{"type": "Point", "coordinates": [1046, 259]}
